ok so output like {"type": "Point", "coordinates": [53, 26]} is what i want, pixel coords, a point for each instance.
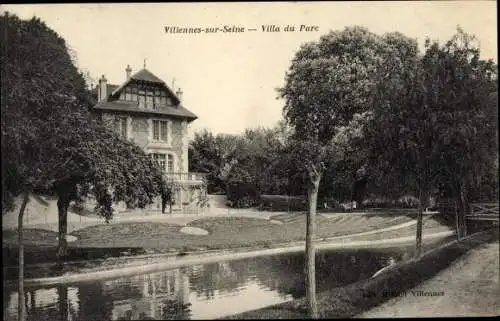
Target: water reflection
{"type": "Point", "coordinates": [198, 292]}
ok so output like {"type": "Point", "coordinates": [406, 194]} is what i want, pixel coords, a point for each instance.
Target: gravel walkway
{"type": "Point", "coordinates": [469, 287]}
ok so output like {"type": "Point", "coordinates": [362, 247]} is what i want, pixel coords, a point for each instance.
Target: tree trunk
{"type": "Point", "coordinates": [171, 202]}
{"type": "Point", "coordinates": [62, 292]}
{"type": "Point", "coordinates": [310, 251]}
{"type": "Point", "coordinates": [32, 300]}
{"type": "Point", "coordinates": [163, 203]}
{"type": "Point", "coordinates": [21, 307]}
{"type": "Point", "coordinates": [421, 206]}
{"type": "Point", "coordinates": [457, 218]}
{"type": "Point", "coordinates": [462, 209]}
{"type": "Point", "coordinates": [62, 207]}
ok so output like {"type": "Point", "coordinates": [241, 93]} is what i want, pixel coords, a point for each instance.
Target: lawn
{"type": "Point", "coordinates": [132, 238]}
{"type": "Point", "coordinates": [224, 232]}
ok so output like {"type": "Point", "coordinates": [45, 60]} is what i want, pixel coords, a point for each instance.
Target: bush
{"type": "Point", "coordinates": [282, 203]}
{"type": "Point", "coordinates": [377, 202]}
{"type": "Point", "coordinates": [407, 201]}
{"type": "Point", "coordinates": [241, 195]}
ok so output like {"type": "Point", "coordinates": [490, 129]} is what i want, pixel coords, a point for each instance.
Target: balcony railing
{"type": "Point", "coordinates": [189, 177]}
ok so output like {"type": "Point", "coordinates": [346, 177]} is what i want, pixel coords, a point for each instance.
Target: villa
{"type": "Point", "coordinates": [147, 112]}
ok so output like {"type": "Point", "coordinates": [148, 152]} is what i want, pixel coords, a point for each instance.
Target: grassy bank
{"type": "Point", "coordinates": [353, 299]}
{"type": "Point", "coordinates": [104, 246]}
{"type": "Point", "coordinates": [224, 233]}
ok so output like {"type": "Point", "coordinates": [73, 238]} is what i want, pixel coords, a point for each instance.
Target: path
{"type": "Point", "coordinates": [470, 287]}
{"type": "Point", "coordinates": [47, 217]}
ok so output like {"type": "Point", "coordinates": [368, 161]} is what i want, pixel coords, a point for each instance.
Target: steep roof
{"type": "Point", "coordinates": [113, 91]}
{"type": "Point", "coordinates": [133, 107]}
{"type": "Point", "coordinates": [146, 75]}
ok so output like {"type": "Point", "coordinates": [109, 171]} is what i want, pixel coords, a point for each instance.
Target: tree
{"type": "Point", "coordinates": [426, 126]}
{"type": "Point", "coordinates": [105, 167]}
{"type": "Point", "coordinates": [204, 157]}
{"type": "Point", "coordinates": [465, 89]}
{"type": "Point", "coordinates": [402, 132]}
{"type": "Point", "coordinates": [51, 143]}
{"type": "Point", "coordinates": [21, 94]}
{"type": "Point", "coordinates": [349, 158]}
{"type": "Point", "coordinates": [256, 162]}
{"type": "Point", "coordinates": [328, 82]}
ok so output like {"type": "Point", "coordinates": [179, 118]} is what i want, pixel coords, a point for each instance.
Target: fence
{"type": "Point", "coordinates": [484, 211]}
{"type": "Point", "coordinates": [186, 176]}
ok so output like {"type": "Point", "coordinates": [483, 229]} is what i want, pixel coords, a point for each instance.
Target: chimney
{"type": "Point", "coordinates": [179, 94]}
{"type": "Point", "coordinates": [128, 70]}
{"type": "Point", "coordinates": [101, 92]}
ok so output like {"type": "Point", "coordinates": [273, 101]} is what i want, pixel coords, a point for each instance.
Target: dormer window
{"type": "Point", "coordinates": [146, 97]}
{"type": "Point", "coordinates": [141, 98]}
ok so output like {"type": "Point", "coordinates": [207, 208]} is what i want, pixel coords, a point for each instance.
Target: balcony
{"type": "Point", "coordinates": [191, 177]}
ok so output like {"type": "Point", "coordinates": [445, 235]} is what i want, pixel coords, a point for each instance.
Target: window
{"type": "Point", "coordinates": [160, 159]}
{"type": "Point", "coordinates": [164, 130]}
{"type": "Point", "coordinates": [160, 130]}
{"type": "Point", "coordinates": [165, 161]}
{"type": "Point", "coordinates": [121, 125]}
{"type": "Point", "coordinates": [163, 98]}
{"type": "Point", "coordinates": [170, 163]}
{"type": "Point", "coordinates": [141, 97]}
{"type": "Point", "coordinates": [150, 99]}
{"type": "Point", "coordinates": [129, 94]}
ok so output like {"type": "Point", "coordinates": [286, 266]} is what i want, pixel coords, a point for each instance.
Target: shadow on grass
{"type": "Point", "coordinates": [356, 298]}
{"type": "Point", "coordinates": [43, 259]}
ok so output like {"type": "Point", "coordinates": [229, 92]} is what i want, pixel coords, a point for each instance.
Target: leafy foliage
{"type": "Point", "coordinates": [410, 120]}
{"type": "Point", "coordinates": [256, 162]}
{"type": "Point", "coordinates": [328, 83]}
{"type": "Point", "coordinates": [51, 143]}
{"type": "Point", "coordinates": [435, 118]}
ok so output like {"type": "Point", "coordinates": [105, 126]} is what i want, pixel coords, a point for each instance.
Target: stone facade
{"type": "Point", "coordinates": [140, 133]}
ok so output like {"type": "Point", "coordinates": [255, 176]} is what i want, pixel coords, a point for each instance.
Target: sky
{"type": "Point", "coordinates": [229, 79]}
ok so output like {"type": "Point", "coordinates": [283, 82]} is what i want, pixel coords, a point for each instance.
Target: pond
{"type": "Point", "coordinates": [198, 292]}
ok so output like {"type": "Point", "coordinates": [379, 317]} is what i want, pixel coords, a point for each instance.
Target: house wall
{"type": "Point", "coordinates": [140, 132]}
